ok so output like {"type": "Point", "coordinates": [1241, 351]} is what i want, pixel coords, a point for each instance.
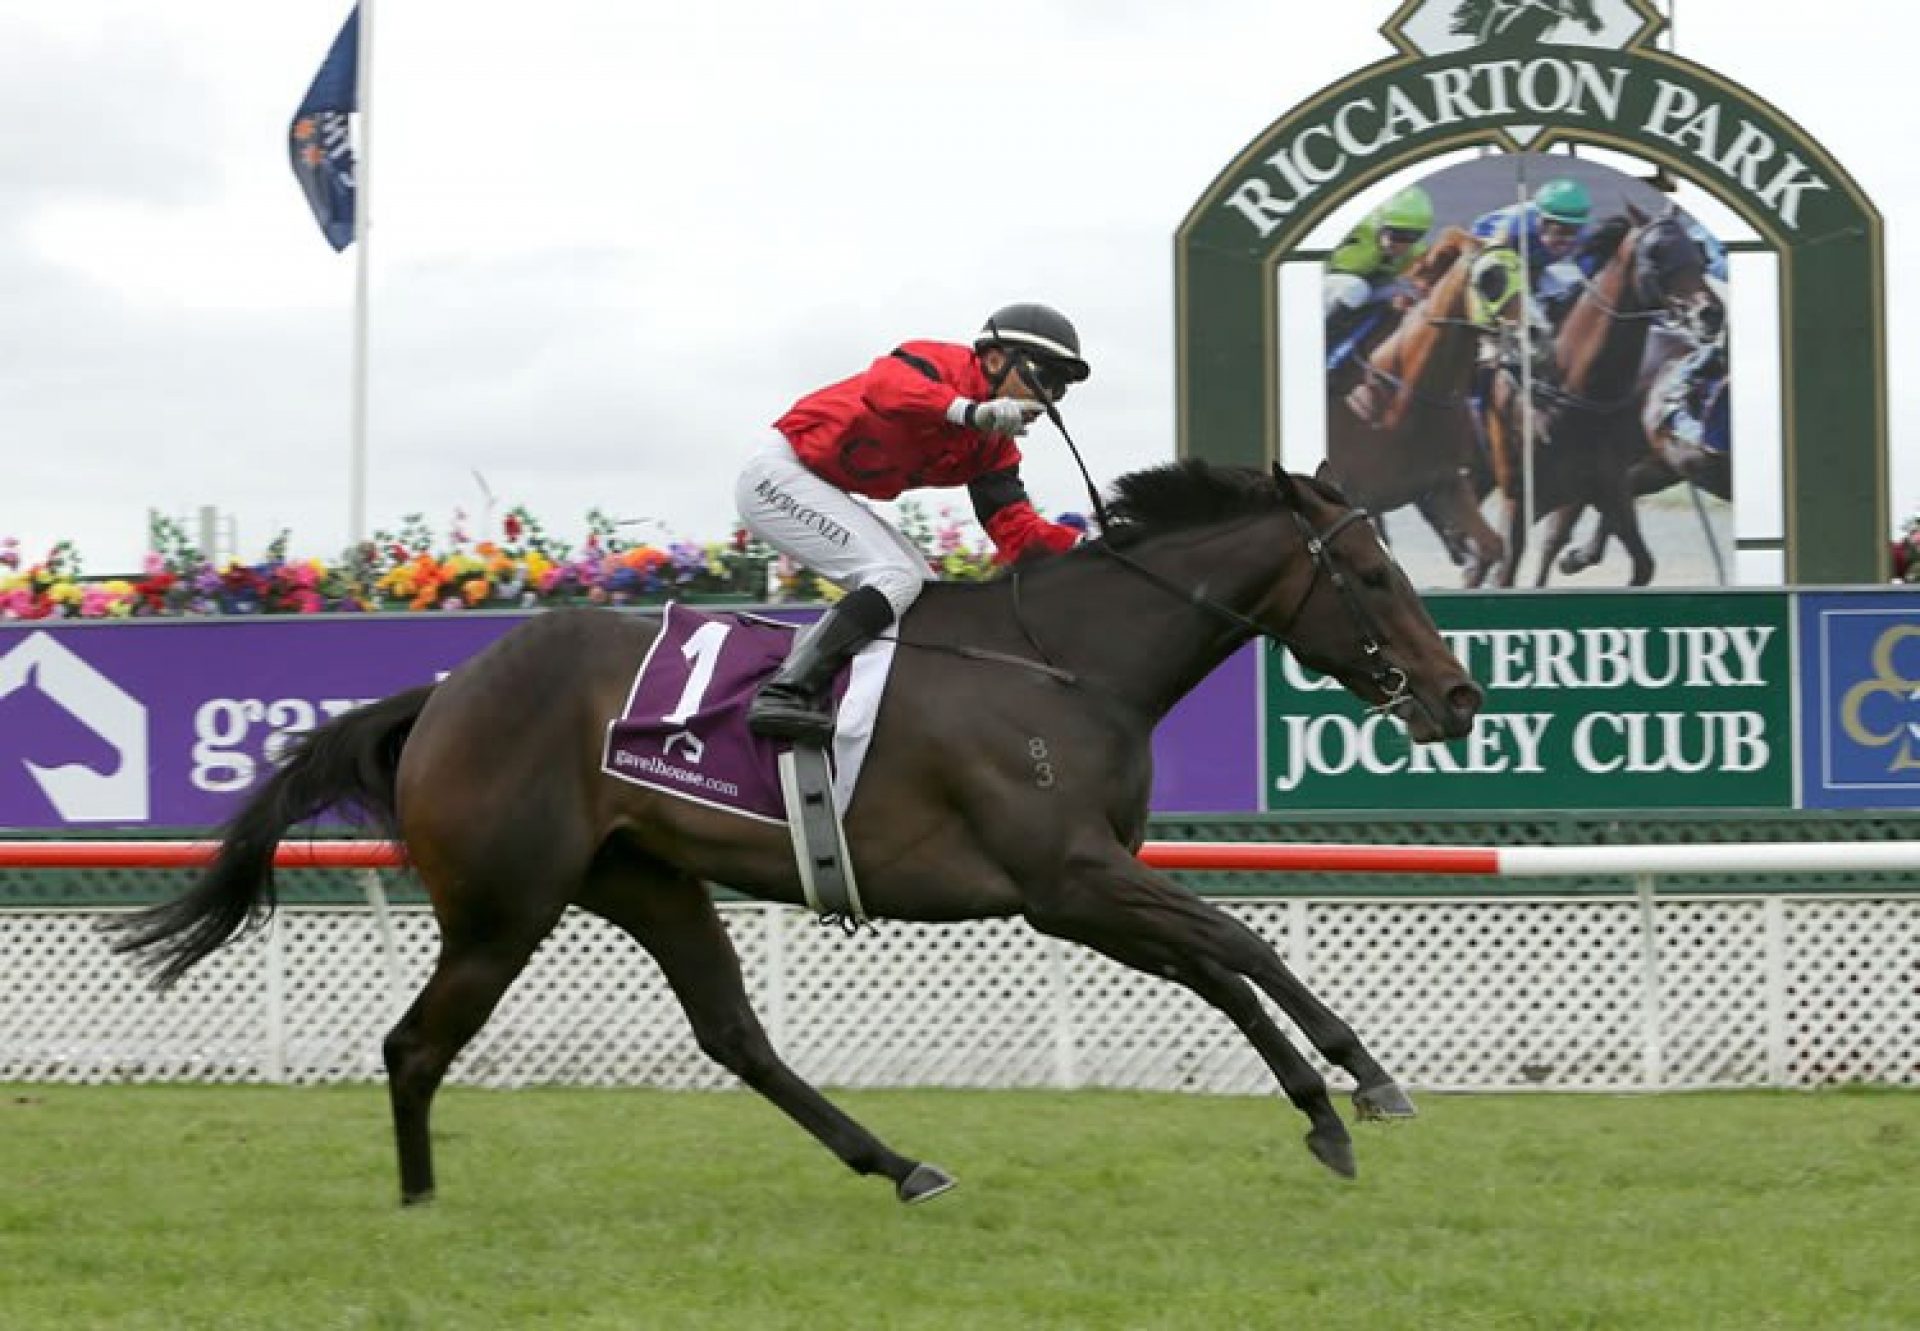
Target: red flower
{"type": "Point", "coordinates": [153, 591]}
{"type": "Point", "coordinates": [512, 527]}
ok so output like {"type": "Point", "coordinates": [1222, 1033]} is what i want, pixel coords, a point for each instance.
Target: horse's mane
{"type": "Point", "coordinates": [1171, 497]}
{"type": "Point", "coordinates": [1192, 493]}
{"type": "Point", "coordinates": [1604, 242]}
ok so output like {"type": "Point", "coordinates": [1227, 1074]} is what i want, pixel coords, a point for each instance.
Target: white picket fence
{"type": "Point", "coordinates": [1470, 993]}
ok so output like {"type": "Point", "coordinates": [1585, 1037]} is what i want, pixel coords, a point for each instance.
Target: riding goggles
{"type": "Point", "coordinates": [1047, 376]}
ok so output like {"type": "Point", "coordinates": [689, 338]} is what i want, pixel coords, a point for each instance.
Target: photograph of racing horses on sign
{"type": "Point", "coordinates": [1527, 369]}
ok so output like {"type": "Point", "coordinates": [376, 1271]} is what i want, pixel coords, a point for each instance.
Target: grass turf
{"type": "Point", "coordinates": [239, 1207]}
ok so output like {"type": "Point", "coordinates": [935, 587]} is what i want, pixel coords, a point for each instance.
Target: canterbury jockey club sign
{"type": "Point", "coordinates": [1514, 69]}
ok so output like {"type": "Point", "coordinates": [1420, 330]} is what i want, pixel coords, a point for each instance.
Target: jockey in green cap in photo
{"type": "Point", "coordinates": [1366, 269]}
{"type": "Point", "coordinates": [1548, 229]}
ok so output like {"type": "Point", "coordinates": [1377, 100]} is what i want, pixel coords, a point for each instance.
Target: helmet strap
{"type": "Point", "coordinates": [996, 378]}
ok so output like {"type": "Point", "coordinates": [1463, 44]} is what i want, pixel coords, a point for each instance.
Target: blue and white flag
{"type": "Point", "coordinates": [319, 142]}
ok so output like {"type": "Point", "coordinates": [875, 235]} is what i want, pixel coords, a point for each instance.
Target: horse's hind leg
{"type": "Point", "coordinates": [473, 970]}
{"type": "Point", "coordinates": [1126, 911]}
{"type": "Point", "coordinates": [669, 913]}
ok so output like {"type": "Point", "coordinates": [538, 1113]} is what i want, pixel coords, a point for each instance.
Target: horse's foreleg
{"type": "Point", "coordinates": [1583, 557]}
{"type": "Point", "coordinates": [1453, 507]}
{"type": "Point", "coordinates": [1560, 524]}
{"type": "Point", "coordinates": [670, 914]}
{"type": "Point", "coordinates": [1516, 538]}
{"type": "Point", "coordinates": [1127, 912]}
{"type": "Point", "coordinates": [1621, 515]}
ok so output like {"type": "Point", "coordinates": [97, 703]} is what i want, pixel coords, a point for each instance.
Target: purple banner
{"type": "Point", "coordinates": [169, 723]}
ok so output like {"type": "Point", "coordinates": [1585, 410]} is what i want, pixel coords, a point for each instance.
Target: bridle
{"type": "Point", "coordinates": [1389, 679]}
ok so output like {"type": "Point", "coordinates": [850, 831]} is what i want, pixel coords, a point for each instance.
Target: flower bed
{"type": "Point", "coordinates": [1906, 551]}
{"type": "Point", "coordinates": [518, 567]}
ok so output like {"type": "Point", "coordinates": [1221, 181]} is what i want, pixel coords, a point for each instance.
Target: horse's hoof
{"type": "Point", "coordinates": [1336, 1153]}
{"type": "Point", "coordinates": [1385, 1101]}
{"type": "Point", "coordinates": [416, 1198]}
{"type": "Point", "coordinates": [924, 1184]}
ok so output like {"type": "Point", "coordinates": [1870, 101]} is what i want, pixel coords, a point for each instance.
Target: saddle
{"type": "Point", "coordinates": [684, 733]}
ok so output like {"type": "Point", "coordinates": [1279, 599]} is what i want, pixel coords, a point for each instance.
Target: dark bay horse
{"type": "Point", "coordinates": [1008, 775]}
{"type": "Point", "coordinates": [1399, 425]}
{"type": "Point", "coordinates": [1586, 417]}
{"type": "Point", "coordinates": [1668, 461]}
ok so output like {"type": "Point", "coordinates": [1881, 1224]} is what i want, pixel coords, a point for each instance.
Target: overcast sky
{"type": "Point", "coordinates": [614, 240]}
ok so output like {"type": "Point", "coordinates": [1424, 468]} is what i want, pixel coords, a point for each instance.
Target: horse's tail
{"type": "Point", "coordinates": [347, 766]}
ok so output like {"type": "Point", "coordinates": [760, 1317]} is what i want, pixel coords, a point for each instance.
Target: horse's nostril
{"type": "Point", "coordinates": [1465, 699]}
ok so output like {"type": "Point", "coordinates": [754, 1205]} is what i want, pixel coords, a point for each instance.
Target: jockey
{"type": "Point", "coordinates": [1367, 266]}
{"type": "Point", "coordinates": [1553, 223]}
{"type": "Point", "coordinates": [1698, 409]}
{"type": "Point", "coordinates": [1698, 406]}
{"type": "Point", "coordinates": [926, 413]}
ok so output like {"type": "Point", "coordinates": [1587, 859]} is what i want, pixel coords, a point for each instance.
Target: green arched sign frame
{"type": "Point", "coordinates": [1414, 107]}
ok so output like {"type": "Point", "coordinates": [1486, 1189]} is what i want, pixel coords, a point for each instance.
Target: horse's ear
{"type": "Point", "coordinates": [1289, 487]}
{"type": "Point", "coordinates": [1635, 216]}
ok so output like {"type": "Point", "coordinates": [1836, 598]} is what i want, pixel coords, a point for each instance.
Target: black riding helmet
{"type": "Point", "coordinates": [1040, 337]}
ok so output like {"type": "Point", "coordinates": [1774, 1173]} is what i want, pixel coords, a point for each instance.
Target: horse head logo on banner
{"type": "Point", "coordinates": [69, 736]}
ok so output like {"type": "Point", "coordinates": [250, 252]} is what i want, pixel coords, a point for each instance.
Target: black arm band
{"type": "Point", "coordinates": [920, 363]}
{"type": "Point", "coordinates": [994, 491]}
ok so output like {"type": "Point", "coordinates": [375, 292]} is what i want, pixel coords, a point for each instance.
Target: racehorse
{"type": "Point", "coordinates": [38, 734]}
{"type": "Point", "coordinates": [1008, 775]}
{"type": "Point", "coordinates": [1586, 423]}
{"type": "Point", "coordinates": [1668, 461]}
{"type": "Point", "coordinates": [1400, 428]}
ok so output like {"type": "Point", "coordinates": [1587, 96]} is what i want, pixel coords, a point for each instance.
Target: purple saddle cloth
{"type": "Point", "coordinates": [684, 729]}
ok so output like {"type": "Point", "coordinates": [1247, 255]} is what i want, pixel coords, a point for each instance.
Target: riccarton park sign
{"type": "Point", "coordinates": [1526, 75]}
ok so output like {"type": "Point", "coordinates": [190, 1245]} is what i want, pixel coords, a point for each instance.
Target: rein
{"type": "Point", "coordinates": [1412, 389]}
{"type": "Point", "coordinates": [1552, 395]}
{"type": "Point", "coordinates": [1384, 675]}
{"type": "Point", "coordinates": [1388, 678]}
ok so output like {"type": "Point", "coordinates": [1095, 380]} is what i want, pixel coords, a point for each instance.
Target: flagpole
{"type": "Point", "coordinates": [362, 229]}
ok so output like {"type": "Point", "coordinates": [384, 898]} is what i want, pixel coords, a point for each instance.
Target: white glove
{"type": "Point", "coordinates": [1003, 415]}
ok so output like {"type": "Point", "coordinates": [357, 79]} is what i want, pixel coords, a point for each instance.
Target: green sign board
{"type": "Point", "coordinates": [1596, 701]}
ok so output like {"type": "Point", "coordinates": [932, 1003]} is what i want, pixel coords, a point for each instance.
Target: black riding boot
{"type": "Point", "coordinates": [792, 705]}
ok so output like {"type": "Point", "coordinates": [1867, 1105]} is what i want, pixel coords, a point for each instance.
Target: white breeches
{"type": "Point", "coordinates": [1344, 291]}
{"type": "Point", "coordinates": [825, 528]}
